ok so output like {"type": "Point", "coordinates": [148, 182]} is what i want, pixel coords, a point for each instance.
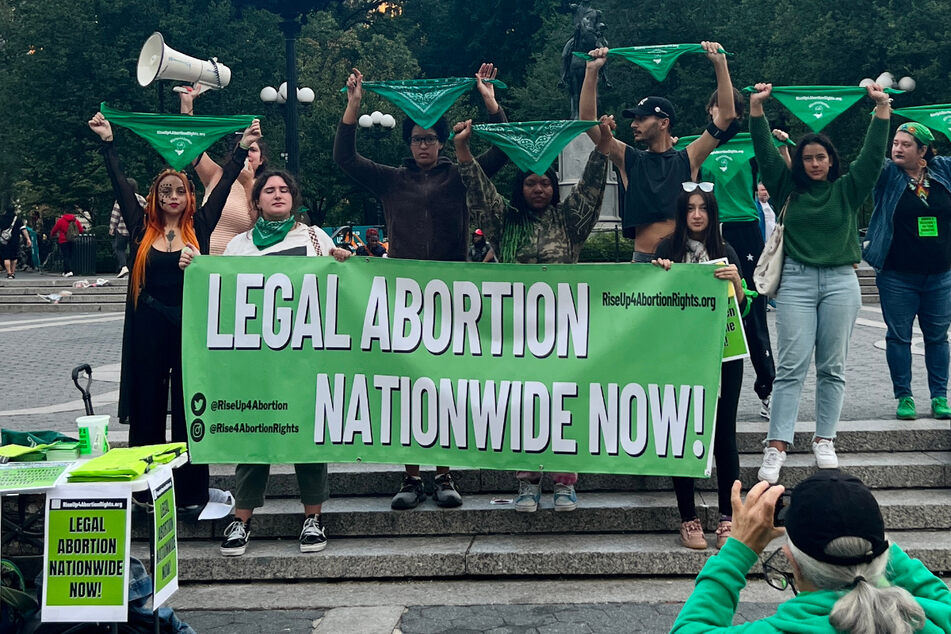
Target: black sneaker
{"type": "Point", "coordinates": [410, 495]}
{"type": "Point", "coordinates": [236, 538]}
{"type": "Point", "coordinates": [312, 538]}
{"type": "Point", "coordinates": [446, 494]}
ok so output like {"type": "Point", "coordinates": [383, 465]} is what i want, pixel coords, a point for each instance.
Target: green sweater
{"type": "Point", "coordinates": [819, 226]}
{"type": "Point", "coordinates": [713, 602]}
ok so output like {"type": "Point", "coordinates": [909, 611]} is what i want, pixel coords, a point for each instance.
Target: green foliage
{"type": "Point", "coordinates": [607, 246]}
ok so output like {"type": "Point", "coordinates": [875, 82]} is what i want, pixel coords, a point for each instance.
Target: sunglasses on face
{"type": "Point", "coordinates": [691, 186]}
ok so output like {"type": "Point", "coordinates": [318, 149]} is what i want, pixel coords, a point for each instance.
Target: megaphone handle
{"type": "Point", "coordinates": [196, 88]}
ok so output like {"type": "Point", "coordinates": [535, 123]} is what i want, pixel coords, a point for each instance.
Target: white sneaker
{"type": "Point", "coordinates": [764, 407]}
{"type": "Point", "coordinates": [123, 271]}
{"type": "Point", "coordinates": [825, 454]}
{"type": "Point", "coordinates": [773, 460]}
{"type": "Point", "coordinates": [68, 274]}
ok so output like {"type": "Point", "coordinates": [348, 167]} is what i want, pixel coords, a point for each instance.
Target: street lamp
{"type": "Point", "coordinates": [378, 125]}
{"type": "Point", "coordinates": [887, 80]}
{"type": "Point", "coordinates": [278, 96]}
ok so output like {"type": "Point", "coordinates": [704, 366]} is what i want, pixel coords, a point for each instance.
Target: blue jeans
{"type": "Point", "coordinates": [903, 296]}
{"type": "Point", "coordinates": [815, 310]}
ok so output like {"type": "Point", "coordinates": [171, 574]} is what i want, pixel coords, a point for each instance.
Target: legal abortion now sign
{"type": "Point", "coordinates": [590, 368]}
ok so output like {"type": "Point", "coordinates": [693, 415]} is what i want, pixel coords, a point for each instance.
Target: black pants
{"type": "Point", "coordinates": [66, 248]}
{"type": "Point", "coordinates": [747, 241]}
{"type": "Point", "coordinates": [120, 244]}
{"type": "Point", "coordinates": [724, 446]}
{"type": "Point", "coordinates": [157, 355]}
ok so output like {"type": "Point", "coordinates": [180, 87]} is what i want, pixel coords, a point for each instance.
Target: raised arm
{"type": "Point", "coordinates": [486, 206]}
{"type": "Point", "coordinates": [699, 150]}
{"type": "Point", "coordinates": [207, 216]}
{"type": "Point", "coordinates": [208, 171]}
{"type": "Point", "coordinates": [782, 136]}
{"type": "Point", "coordinates": [583, 204]}
{"type": "Point", "coordinates": [773, 169]}
{"type": "Point", "coordinates": [865, 169]}
{"type": "Point", "coordinates": [588, 105]}
{"type": "Point", "coordinates": [132, 211]}
{"type": "Point", "coordinates": [372, 176]}
{"type": "Point", "coordinates": [493, 159]}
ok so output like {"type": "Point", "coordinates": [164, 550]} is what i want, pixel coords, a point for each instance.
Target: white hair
{"type": "Point", "coordinates": [870, 605]}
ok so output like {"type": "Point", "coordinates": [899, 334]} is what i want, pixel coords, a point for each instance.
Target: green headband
{"type": "Point", "coordinates": [917, 130]}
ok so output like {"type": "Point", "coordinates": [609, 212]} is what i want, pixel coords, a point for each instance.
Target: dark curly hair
{"type": "Point", "coordinates": [441, 128]}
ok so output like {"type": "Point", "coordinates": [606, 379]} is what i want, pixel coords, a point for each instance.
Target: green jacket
{"type": "Point", "coordinates": [559, 232]}
{"type": "Point", "coordinates": [820, 228]}
{"type": "Point", "coordinates": [711, 606]}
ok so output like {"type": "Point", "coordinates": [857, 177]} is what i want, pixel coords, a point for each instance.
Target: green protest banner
{"type": "Point", "coordinates": [734, 345]}
{"type": "Point", "coordinates": [31, 476]}
{"type": "Point", "coordinates": [607, 368]}
{"type": "Point", "coordinates": [164, 536]}
{"type": "Point", "coordinates": [85, 563]}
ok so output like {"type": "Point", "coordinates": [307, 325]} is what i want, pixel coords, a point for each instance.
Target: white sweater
{"type": "Point", "coordinates": [296, 242]}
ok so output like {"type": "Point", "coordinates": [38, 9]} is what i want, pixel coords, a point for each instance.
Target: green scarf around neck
{"type": "Point", "coordinates": [180, 139]}
{"type": "Point", "coordinates": [266, 233]}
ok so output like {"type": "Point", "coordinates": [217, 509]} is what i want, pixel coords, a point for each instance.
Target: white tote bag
{"type": "Point", "coordinates": [769, 267]}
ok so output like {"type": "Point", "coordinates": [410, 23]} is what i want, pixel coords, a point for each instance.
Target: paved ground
{"type": "Point", "coordinates": [37, 393]}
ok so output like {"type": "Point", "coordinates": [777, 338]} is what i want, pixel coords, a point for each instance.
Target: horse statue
{"type": "Point", "coordinates": [588, 35]}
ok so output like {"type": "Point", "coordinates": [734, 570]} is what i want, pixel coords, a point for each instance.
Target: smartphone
{"type": "Point", "coordinates": [781, 503]}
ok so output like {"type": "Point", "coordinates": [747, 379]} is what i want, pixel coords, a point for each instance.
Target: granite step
{"type": "Point", "coordinates": [884, 470]}
{"type": "Point", "coordinates": [481, 514]}
{"type": "Point", "coordinates": [63, 307]}
{"type": "Point", "coordinates": [563, 555]}
{"type": "Point", "coordinates": [887, 434]}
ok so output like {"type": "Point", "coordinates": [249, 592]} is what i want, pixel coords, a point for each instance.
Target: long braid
{"type": "Point", "coordinates": [517, 227]}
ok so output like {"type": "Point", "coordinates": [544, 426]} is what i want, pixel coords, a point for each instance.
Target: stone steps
{"type": "Point", "coordinates": [482, 556]}
{"type": "Point", "coordinates": [606, 512]}
{"type": "Point", "coordinates": [869, 290]}
{"type": "Point", "coordinates": [23, 295]}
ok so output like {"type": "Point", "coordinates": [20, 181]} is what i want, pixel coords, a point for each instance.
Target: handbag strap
{"type": "Point", "coordinates": [314, 241]}
{"type": "Point", "coordinates": [782, 212]}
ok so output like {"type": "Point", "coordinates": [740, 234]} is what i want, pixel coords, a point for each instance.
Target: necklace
{"type": "Point", "coordinates": [920, 186]}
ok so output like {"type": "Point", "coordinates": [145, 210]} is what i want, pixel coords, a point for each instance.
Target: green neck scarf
{"type": "Point", "coordinates": [657, 60]}
{"type": "Point", "coordinates": [732, 157]}
{"type": "Point", "coordinates": [424, 100]}
{"type": "Point", "coordinates": [266, 233]}
{"type": "Point", "coordinates": [180, 139]}
{"type": "Point", "coordinates": [936, 117]}
{"type": "Point", "coordinates": [532, 145]}
{"type": "Point", "coordinates": [818, 106]}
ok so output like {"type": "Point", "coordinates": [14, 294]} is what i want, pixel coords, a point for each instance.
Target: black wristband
{"type": "Point", "coordinates": [722, 136]}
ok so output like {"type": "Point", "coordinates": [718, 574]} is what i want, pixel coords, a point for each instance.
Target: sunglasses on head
{"type": "Point", "coordinates": [691, 186]}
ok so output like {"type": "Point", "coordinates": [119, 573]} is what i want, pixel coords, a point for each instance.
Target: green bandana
{"type": "Point", "coordinates": [817, 106]}
{"type": "Point", "coordinates": [657, 60]}
{"type": "Point", "coordinates": [424, 100]}
{"type": "Point", "coordinates": [937, 117]}
{"type": "Point", "coordinates": [266, 233]}
{"type": "Point", "coordinates": [180, 139]}
{"type": "Point", "coordinates": [732, 157]}
{"type": "Point", "coordinates": [532, 145]}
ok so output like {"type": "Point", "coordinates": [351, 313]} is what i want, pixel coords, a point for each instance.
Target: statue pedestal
{"type": "Point", "coordinates": [571, 164]}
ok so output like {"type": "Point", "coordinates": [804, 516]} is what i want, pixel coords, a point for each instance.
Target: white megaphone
{"type": "Point", "coordinates": [158, 60]}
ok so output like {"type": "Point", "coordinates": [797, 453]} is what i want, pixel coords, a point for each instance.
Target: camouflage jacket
{"type": "Point", "coordinates": [559, 231]}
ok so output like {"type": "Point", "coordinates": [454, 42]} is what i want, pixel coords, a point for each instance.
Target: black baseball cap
{"type": "Point", "coordinates": [652, 107]}
{"type": "Point", "coordinates": [830, 504]}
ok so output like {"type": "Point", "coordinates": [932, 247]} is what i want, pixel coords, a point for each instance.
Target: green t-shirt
{"type": "Point", "coordinates": [734, 194]}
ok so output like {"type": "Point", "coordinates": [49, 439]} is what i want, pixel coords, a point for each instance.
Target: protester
{"type": "Point", "coordinates": [372, 248]}
{"type": "Point", "coordinates": [537, 228]}
{"type": "Point", "coordinates": [480, 250]}
{"type": "Point", "coordinates": [651, 178]}
{"type": "Point", "coordinates": [33, 247]}
{"type": "Point", "coordinates": [741, 229]}
{"type": "Point", "coordinates": [238, 214]}
{"type": "Point", "coordinates": [11, 227]}
{"type": "Point", "coordinates": [424, 202]}
{"type": "Point", "coordinates": [152, 336]}
{"type": "Point", "coordinates": [65, 230]}
{"type": "Point", "coordinates": [275, 196]}
{"type": "Point", "coordinates": [909, 244]}
{"type": "Point", "coordinates": [767, 215]}
{"type": "Point", "coordinates": [818, 297]}
{"type": "Point", "coordinates": [697, 239]}
{"type": "Point", "coordinates": [845, 574]}
{"type": "Point", "coordinates": [119, 232]}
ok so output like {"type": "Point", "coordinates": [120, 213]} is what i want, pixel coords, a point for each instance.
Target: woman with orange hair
{"type": "Point", "coordinates": [152, 338]}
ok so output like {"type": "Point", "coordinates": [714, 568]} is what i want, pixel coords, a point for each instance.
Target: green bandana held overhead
{"type": "Point", "coordinates": [266, 233]}
{"type": "Point", "coordinates": [180, 139]}
{"type": "Point", "coordinates": [817, 106]}
{"type": "Point", "coordinates": [657, 59]}
{"type": "Point", "coordinates": [532, 145]}
{"type": "Point", "coordinates": [424, 100]}
{"type": "Point", "coordinates": [732, 157]}
{"type": "Point", "coordinates": [937, 116]}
